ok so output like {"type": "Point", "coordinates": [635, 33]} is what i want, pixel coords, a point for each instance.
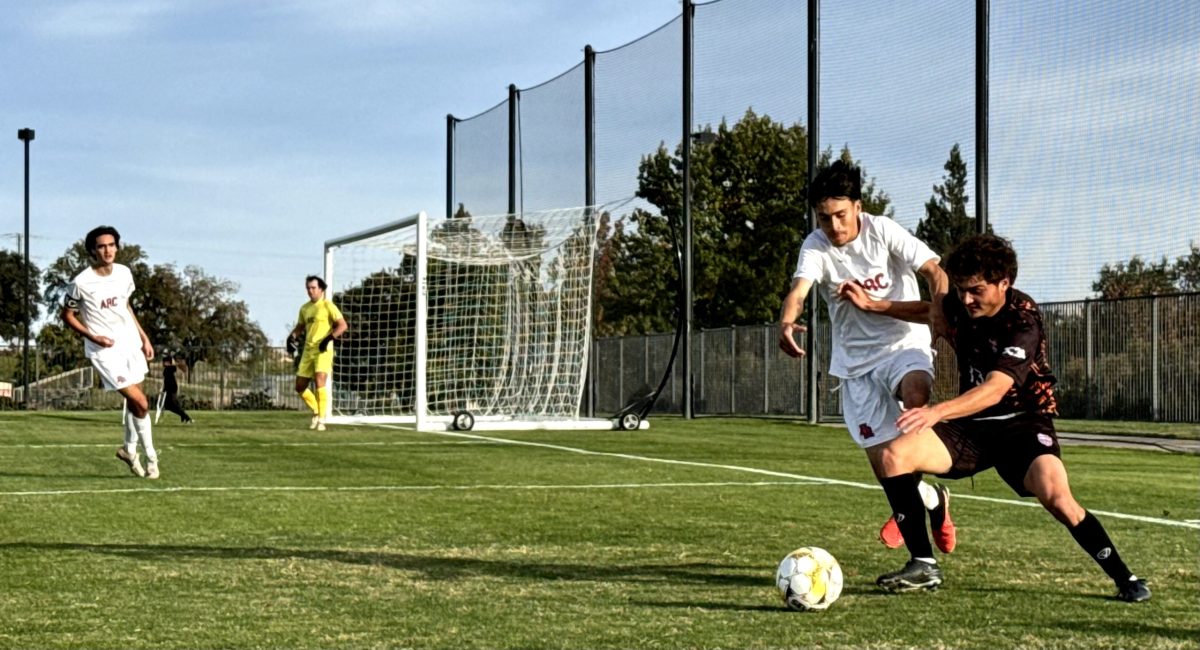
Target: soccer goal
{"type": "Point", "coordinates": [466, 323]}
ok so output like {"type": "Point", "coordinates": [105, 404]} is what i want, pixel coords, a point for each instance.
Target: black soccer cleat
{"type": "Point", "coordinates": [915, 575]}
{"type": "Point", "coordinates": [1133, 591]}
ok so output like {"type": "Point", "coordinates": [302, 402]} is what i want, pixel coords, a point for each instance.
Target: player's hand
{"type": "Point", "coordinates": [148, 350]}
{"type": "Point", "coordinates": [853, 292]}
{"type": "Point", "coordinates": [917, 419]}
{"type": "Point", "coordinates": [102, 341]}
{"type": "Point", "coordinates": [324, 344]}
{"type": "Point", "coordinates": [787, 341]}
{"type": "Point", "coordinates": [293, 344]}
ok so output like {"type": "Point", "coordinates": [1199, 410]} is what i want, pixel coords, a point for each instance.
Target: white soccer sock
{"type": "Point", "coordinates": [928, 495]}
{"type": "Point", "coordinates": [131, 434]}
{"type": "Point", "coordinates": [142, 425]}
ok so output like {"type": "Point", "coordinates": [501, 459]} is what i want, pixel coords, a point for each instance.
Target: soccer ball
{"type": "Point", "coordinates": [809, 579]}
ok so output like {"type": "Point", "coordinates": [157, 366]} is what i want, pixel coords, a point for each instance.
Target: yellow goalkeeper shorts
{"type": "Point", "coordinates": [313, 362]}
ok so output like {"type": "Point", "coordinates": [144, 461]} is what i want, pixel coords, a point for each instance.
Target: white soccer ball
{"type": "Point", "coordinates": [809, 579]}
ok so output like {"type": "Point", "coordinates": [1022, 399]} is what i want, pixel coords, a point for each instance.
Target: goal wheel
{"type": "Point", "coordinates": [630, 422]}
{"type": "Point", "coordinates": [463, 421]}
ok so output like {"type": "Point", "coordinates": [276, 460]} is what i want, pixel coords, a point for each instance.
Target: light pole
{"type": "Point", "coordinates": [26, 136]}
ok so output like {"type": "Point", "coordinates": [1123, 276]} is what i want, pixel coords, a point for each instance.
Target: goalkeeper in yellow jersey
{"type": "Point", "coordinates": [322, 324]}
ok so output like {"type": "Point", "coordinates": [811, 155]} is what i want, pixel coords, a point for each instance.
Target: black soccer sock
{"type": "Point", "coordinates": [1091, 536]}
{"type": "Point", "coordinates": [909, 511]}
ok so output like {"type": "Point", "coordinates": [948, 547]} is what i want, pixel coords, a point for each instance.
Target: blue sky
{"type": "Point", "coordinates": [239, 135]}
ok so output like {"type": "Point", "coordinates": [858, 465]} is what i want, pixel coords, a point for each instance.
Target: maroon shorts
{"type": "Point", "coordinates": [1010, 445]}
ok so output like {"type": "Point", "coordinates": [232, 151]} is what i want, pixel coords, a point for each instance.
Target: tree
{"type": "Point", "coordinates": [1135, 278]}
{"type": "Point", "coordinates": [749, 214]}
{"type": "Point", "coordinates": [1187, 270]}
{"type": "Point", "coordinates": [13, 276]}
{"type": "Point", "coordinates": [946, 221]}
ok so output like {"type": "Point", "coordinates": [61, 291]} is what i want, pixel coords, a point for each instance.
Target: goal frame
{"type": "Point", "coordinates": [422, 419]}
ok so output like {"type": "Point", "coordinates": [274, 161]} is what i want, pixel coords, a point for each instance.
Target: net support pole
{"type": "Point", "coordinates": [982, 12]}
{"type": "Point", "coordinates": [451, 123]}
{"type": "Point", "coordinates": [814, 146]}
{"type": "Point", "coordinates": [589, 199]}
{"type": "Point", "coordinates": [688, 16]}
{"type": "Point", "coordinates": [421, 353]}
{"type": "Point", "coordinates": [513, 126]}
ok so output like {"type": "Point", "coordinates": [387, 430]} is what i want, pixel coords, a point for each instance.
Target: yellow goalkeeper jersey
{"type": "Point", "coordinates": [318, 318]}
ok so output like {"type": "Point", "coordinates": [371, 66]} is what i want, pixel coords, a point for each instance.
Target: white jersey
{"type": "Point", "coordinates": [103, 305]}
{"type": "Point", "coordinates": [884, 259]}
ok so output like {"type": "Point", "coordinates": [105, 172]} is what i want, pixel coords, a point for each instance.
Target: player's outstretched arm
{"type": "Point", "coordinates": [913, 311]}
{"type": "Point", "coordinates": [980, 397]}
{"type": "Point", "coordinates": [789, 314]}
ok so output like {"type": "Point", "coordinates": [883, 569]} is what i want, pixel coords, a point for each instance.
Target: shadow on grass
{"type": "Point", "coordinates": [432, 567]}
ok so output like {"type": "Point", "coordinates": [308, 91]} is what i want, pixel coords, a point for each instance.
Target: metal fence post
{"type": "Point", "coordinates": [1154, 353]}
{"type": "Point", "coordinates": [1089, 359]}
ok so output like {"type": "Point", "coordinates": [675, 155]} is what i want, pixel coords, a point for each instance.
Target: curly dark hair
{"type": "Point", "coordinates": [989, 256]}
{"type": "Point", "coordinates": [839, 180]}
{"type": "Point", "coordinates": [89, 242]}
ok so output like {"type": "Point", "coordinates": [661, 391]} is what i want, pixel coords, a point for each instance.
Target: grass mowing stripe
{"type": "Point", "coordinates": [323, 443]}
{"type": "Point", "coordinates": [406, 488]}
{"type": "Point", "coordinates": [800, 477]}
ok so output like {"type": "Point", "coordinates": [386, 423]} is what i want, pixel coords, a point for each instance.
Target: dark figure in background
{"type": "Point", "coordinates": [170, 391]}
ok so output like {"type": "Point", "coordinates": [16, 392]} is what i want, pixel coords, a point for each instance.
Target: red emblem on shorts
{"type": "Point", "coordinates": [120, 380]}
{"type": "Point", "coordinates": [865, 432]}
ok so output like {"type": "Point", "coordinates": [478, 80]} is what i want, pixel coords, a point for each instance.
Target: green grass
{"type": "Point", "coordinates": [1187, 431]}
{"type": "Point", "coordinates": [262, 534]}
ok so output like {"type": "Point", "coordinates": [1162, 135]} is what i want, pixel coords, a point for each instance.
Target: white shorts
{"type": "Point", "coordinates": [120, 368]}
{"type": "Point", "coordinates": [869, 402]}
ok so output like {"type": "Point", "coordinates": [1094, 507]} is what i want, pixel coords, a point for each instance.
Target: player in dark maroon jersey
{"type": "Point", "coordinates": [1003, 416]}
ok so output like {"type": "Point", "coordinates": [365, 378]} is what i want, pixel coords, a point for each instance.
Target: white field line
{"type": "Point", "coordinates": [321, 443]}
{"type": "Point", "coordinates": [798, 479]}
{"type": "Point", "coordinates": [801, 477]}
{"type": "Point", "coordinates": [405, 488]}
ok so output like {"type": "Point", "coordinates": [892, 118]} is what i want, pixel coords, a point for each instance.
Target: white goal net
{"type": "Point", "coordinates": [473, 322]}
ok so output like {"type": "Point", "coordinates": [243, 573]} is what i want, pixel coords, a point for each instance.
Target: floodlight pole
{"type": "Point", "coordinates": [26, 136]}
{"type": "Point", "coordinates": [982, 20]}
{"type": "Point", "coordinates": [814, 147]}
{"type": "Point", "coordinates": [688, 405]}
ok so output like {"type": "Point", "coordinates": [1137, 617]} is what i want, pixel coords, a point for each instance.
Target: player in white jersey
{"type": "Point", "coordinates": [878, 362]}
{"type": "Point", "coordinates": [97, 308]}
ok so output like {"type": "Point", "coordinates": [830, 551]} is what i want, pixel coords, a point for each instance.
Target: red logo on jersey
{"type": "Point", "coordinates": [108, 302]}
{"type": "Point", "coordinates": [865, 432]}
{"type": "Point", "coordinates": [877, 282]}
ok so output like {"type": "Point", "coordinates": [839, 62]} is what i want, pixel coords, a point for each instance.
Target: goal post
{"type": "Point", "coordinates": [475, 322]}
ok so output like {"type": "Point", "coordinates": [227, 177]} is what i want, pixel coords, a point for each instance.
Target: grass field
{"type": "Point", "coordinates": [262, 534]}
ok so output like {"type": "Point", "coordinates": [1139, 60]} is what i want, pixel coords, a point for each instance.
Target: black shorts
{"type": "Point", "coordinates": [1009, 445]}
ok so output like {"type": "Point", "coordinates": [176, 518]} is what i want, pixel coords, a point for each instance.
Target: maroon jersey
{"type": "Point", "coordinates": [1012, 342]}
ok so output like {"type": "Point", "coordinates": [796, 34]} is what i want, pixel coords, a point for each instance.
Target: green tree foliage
{"type": "Point", "coordinates": [13, 276]}
{"type": "Point", "coordinates": [1187, 270]}
{"type": "Point", "coordinates": [1135, 278]}
{"type": "Point", "coordinates": [748, 216]}
{"type": "Point", "coordinates": [946, 220]}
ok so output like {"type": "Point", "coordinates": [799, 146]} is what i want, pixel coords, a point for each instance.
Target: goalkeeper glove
{"type": "Point", "coordinates": [324, 344]}
{"type": "Point", "coordinates": [293, 344]}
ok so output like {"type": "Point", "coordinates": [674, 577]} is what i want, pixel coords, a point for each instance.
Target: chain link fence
{"type": "Point", "coordinates": [1129, 359]}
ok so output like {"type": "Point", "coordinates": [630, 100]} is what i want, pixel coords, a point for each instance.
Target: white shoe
{"type": "Point", "coordinates": [132, 461]}
{"type": "Point", "coordinates": [152, 469]}
{"type": "Point", "coordinates": [315, 422]}
{"type": "Point", "coordinates": [320, 426]}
